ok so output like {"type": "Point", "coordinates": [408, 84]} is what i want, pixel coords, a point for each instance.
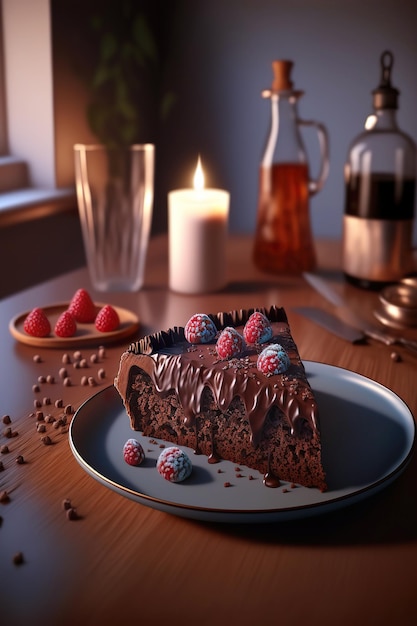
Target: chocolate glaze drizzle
{"type": "Point", "coordinates": [174, 364]}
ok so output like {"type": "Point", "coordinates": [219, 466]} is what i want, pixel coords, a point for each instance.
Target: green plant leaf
{"type": "Point", "coordinates": [143, 37]}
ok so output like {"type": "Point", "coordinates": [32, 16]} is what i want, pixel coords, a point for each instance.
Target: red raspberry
{"type": "Point", "coordinates": [174, 464]}
{"type": "Point", "coordinates": [37, 324]}
{"type": "Point", "coordinates": [66, 325]}
{"type": "Point", "coordinates": [257, 329]}
{"type": "Point", "coordinates": [273, 360]}
{"type": "Point", "coordinates": [82, 308]}
{"type": "Point", "coordinates": [229, 343]}
{"type": "Point", "coordinates": [107, 319]}
{"type": "Point", "coordinates": [200, 329]}
{"type": "Point", "coordinates": [133, 452]}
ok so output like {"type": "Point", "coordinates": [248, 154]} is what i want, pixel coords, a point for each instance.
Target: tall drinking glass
{"type": "Point", "coordinates": [115, 189]}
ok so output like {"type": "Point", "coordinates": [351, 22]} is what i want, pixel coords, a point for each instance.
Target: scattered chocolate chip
{"type": "Point", "coordinates": [239, 475]}
{"type": "Point", "coordinates": [94, 358]}
{"type": "Point", "coordinates": [83, 363]}
{"type": "Point", "coordinates": [68, 410]}
{"type": "Point", "coordinates": [250, 477]}
{"type": "Point", "coordinates": [7, 432]}
{"type": "Point", "coordinates": [41, 379]}
{"type": "Point", "coordinates": [59, 403]}
{"type": "Point", "coordinates": [72, 514]}
{"type": "Point", "coordinates": [76, 365]}
{"type": "Point", "coordinates": [63, 373]}
{"type": "Point", "coordinates": [227, 484]}
{"type": "Point", "coordinates": [37, 404]}
{"type": "Point", "coordinates": [396, 357]}
{"type": "Point", "coordinates": [6, 419]}
{"type": "Point", "coordinates": [46, 401]}
{"type": "Point", "coordinates": [50, 379]}
{"type": "Point", "coordinates": [18, 558]}
{"type": "Point", "coordinates": [67, 382]}
{"type": "Point", "coordinates": [66, 504]}
{"type": "Point", "coordinates": [40, 416]}
{"type": "Point", "coordinates": [4, 497]}
{"type": "Point", "coordinates": [36, 388]}
{"type": "Point", "coordinates": [77, 355]}
{"type": "Point", "coordinates": [37, 358]}
{"type": "Point", "coordinates": [41, 428]}
{"type": "Point", "coordinates": [220, 471]}
{"type": "Point", "coordinates": [101, 373]}
{"type": "Point", "coordinates": [1, 466]}
{"type": "Point", "coordinates": [101, 352]}
{"type": "Point", "coordinates": [84, 381]}
{"type": "Point", "coordinates": [58, 423]}
{"type": "Point", "coordinates": [285, 490]}
{"type": "Point", "coordinates": [91, 381]}
{"type": "Point", "coordinates": [4, 449]}
{"type": "Point", "coordinates": [49, 418]}
{"type": "Point", "coordinates": [66, 359]}
{"type": "Point", "coordinates": [20, 460]}
{"type": "Point", "coordinates": [46, 440]}
{"type": "Point", "coordinates": [293, 486]}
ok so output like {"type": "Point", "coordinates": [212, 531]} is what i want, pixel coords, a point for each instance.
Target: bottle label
{"type": "Point", "coordinates": [377, 250]}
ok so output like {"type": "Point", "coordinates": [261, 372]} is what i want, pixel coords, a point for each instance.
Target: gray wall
{"type": "Point", "coordinates": [222, 60]}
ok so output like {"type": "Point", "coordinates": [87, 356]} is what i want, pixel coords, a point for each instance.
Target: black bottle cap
{"type": "Point", "coordinates": [386, 96]}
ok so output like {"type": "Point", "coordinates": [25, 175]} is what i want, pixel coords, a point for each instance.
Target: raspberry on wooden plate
{"type": "Point", "coordinates": [107, 319]}
{"type": "Point", "coordinates": [66, 325]}
{"type": "Point", "coordinates": [82, 307]}
{"type": "Point", "coordinates": [37, 324]}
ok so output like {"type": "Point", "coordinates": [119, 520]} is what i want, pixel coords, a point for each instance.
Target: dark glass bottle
{"type": "Point", "coordinates": [380, 177]}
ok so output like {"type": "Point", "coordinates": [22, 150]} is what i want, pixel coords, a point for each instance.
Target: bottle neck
{"type": "Point", "coordinates": [284, 143]}
{"type": "Point", "coordinates": [383, 119]}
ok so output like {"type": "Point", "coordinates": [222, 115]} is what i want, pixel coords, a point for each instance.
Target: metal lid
{"type": "Point", "coordinates": [385, 96]}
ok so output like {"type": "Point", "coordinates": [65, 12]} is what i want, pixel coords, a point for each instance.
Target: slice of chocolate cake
{"type": "Point", "coordinates": [230, 389]}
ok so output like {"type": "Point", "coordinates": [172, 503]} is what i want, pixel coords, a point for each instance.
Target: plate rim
{"type": "Point", "coordinates": [219, 514]}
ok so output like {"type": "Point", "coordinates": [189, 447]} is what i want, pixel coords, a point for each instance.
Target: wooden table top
{"type": "Point", "coordinates": [121, 562]}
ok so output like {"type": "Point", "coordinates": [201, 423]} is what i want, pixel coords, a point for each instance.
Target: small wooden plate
{"type": "Point", "coordinates": [86, 333]}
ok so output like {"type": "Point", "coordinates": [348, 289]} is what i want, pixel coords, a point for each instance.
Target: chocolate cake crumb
{"type": "Point", "coordinates": [7, 432]}
{"type": "Point", "coordinates": [41, 428]}
{"type": "Point", "coordinates": [227, 484]}
{"type": "Point", "coordinates": [39, 416]}
{"type": "Point", "coordinates": [250, 477]}
{"type": "Point", "coordinates": [20, 460]}
{"type": "Point", "coordinates": [46, 440]}
{"type": "Point", "coordinates": [49, 418]}
{"type": "Point", "coordinates": [285, 490]}
{"type": "Point", "coordinates": [4, 449]}
{"type": "Point", "coordinates": [18, 558]}
{"type": "Point", "coordinates": [6, 419]}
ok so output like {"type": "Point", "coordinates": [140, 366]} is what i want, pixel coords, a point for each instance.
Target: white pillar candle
{"type": "Point", "coordinates": [197, 223]}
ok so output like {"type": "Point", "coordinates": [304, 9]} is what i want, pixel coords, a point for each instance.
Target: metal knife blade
{"type": "Point", "coordinates": [332, 323]}
{"type": "Point", "coordinates": [346, 315]}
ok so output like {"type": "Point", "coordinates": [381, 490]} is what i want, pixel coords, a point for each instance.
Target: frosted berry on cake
{"type": "Point", "coordinates": [254, 407]}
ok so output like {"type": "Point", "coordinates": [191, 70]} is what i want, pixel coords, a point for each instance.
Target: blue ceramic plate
{"type": "Point", "coordinates": [368, 436]}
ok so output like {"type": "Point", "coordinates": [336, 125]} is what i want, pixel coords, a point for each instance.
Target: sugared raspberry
{"type": "Point", "coordinates": [273, 360]}
{"type": "Point", "coordinates": [133, 452]}
{"type": "Point", "coordinates": [229, 343]}
{"type": "Point", "coordinates": [200, 328]}
{"type": "Point", "coordinates": [174, 465]}
{"type": "Point", "coordinates": [257, 329]}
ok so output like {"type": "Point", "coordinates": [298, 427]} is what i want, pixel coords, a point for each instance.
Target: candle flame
{"type": "Point", "coordinates": [199, 176]}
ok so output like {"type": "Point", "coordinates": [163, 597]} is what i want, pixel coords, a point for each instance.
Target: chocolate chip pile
{"type": "Point", "coordinates": [51, 418]}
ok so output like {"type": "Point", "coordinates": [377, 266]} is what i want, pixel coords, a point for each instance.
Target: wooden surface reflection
{"type": "Point", "coordinates": [122, 561]}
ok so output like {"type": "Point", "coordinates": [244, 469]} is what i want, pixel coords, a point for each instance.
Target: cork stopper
{"type": "Point", "coordinates": [282, 75]}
